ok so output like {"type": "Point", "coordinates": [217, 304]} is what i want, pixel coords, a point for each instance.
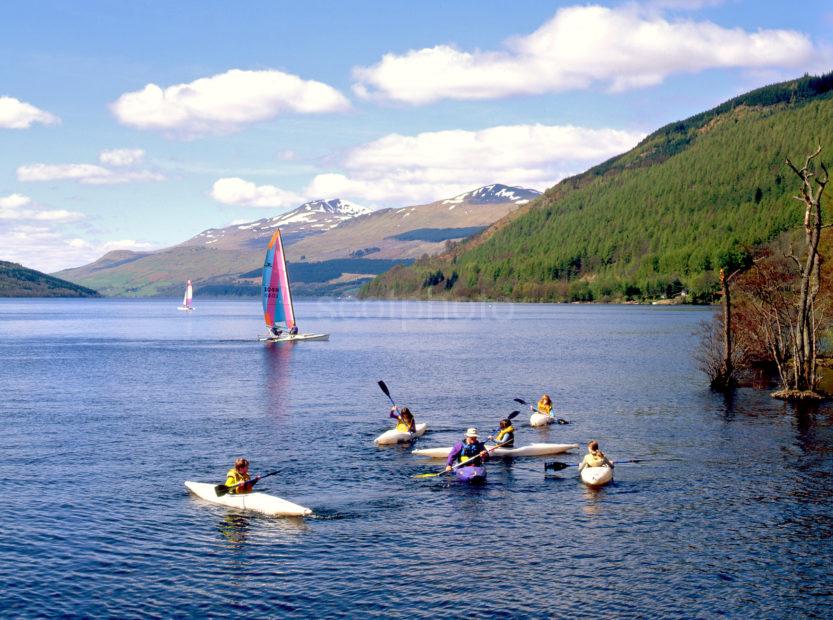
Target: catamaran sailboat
{"type": "Point", "coordinates": [278, 311]}
{"type": "Point", "coordinates": [186, 301]}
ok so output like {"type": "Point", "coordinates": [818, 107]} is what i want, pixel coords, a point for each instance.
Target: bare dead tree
{"type": "Point", "coordinates": [804, 343]}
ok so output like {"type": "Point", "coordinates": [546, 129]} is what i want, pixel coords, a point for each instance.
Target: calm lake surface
{"type": "Point", "coordinates": [108, 406]}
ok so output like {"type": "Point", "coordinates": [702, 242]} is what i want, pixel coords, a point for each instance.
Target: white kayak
{"type": "Point", "coordinates": [596, 476]}
{"type": "Point", "coordinates": [259, 502]}
{"type": "Point", "coordinates": [534, 449]}
{"type": "Point", "coordinates": [294, 337]}
{"type": "Point", "coordinates": [540, 419]}
{"type": "Point", "coordinates": [394, 436]}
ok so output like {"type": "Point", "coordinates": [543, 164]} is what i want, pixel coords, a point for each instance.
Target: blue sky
{"type": "Point", "coordinates": [139, 124]}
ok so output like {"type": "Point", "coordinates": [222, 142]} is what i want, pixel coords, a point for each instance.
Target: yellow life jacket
{"type": "Point", "coordinates": [594, 459]}
{"type": "Point", "coordinates": [503, 432]}
{"type": "Point", "coordinates": [235, 477]}
{"type": "Point", "coordinates": [544, 407]}
{"type": "Point", "coordinates": [403, 427]}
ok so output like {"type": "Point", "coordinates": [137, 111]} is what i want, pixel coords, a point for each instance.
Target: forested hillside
{"type": "Point", "coordinates": [657, 220]}
{"type": "Point", "coordinates": [19, 281]}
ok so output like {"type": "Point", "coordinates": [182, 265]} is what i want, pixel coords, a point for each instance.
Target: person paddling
{"type": "Point", "coordinates": [237, 474]}
{"type": "Point", "coordinates": [544, 405]}
{"type": "Point", "coordinates": [506, 435]}
{"type": "Point", "coordinates": [405, 419]}
{"type": "Point", "coordinates": [470, 451]}
{"type": "Point", "coordinates": [594, 457]}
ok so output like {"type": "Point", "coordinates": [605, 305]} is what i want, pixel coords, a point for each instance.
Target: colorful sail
{"type": "Point", "coordinates": [189, 295]}
{"type": "Point", "coordinates": [277, 299]}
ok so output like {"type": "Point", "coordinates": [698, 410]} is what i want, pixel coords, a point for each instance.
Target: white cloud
{"type": "Point", "coordinates": [236, 191]}
{"type": "Point", "coordinates": [14, 201]}
{"type": "Point", "coordinates": [16, 114]}
{"type": "Point", "coordinates": [225, 102]}
{"type": "Point", "coordinates": [400, 169]}
{"type": "Point", "coordinates": [49, 249]}
{"type": "Point", "coordinates": [683, 5]}
{"type": "Point", "coordinates": [580, 47]}
{"type": "Point", "coordinates": [88, 174]}
{"type": "Point", "coordinates": [18, 207]}
{"type": "Point", "coordinates": [121, 157]}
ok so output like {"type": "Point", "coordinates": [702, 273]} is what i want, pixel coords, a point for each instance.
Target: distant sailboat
{"type": "Point", "coordinates": [278, 312]}
{"type": "Point", "coordinates": [187, 299]}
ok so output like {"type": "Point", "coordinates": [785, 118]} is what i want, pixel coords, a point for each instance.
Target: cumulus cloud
{"type": "Point", "coordinates": [580, 47]}
{"type": "Point", "coordinates": [225, 102]}
{"type": "Point", "coordinates": [121, 157]}
{"type": "Point", "coordinates": [88, 174]}
{"type": "Point", "coordinates": [16, 114]}
{"type": "Point", "coordinates": [239, 192]}
{"type": "Point", "coordinates": [399, 169]}
{"type": "Point", "coordinates": [18, 207]}
{"type": "Point", "coordinates": [48, 249]}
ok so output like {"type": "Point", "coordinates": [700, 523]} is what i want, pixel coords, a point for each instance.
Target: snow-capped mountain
{"type": "Point", "coordinates": [310, 218]}
{"type": "Point", "coordinates": [494, 194]}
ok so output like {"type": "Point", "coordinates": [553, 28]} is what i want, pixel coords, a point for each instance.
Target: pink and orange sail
{"type": "Point", "coordinates": [277, 298]}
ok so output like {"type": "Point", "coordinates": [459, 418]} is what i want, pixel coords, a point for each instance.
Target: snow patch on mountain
{"type": "Point", "coordinates": [491, 194]}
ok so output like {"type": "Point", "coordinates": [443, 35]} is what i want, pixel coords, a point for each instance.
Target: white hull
{"type": "Point", "coordinates": [291, 338]}
{"type": "Point", "coordinates": [258, 502]}
{"type": "Point", "coordinates": [394, 436]}
{"type": "Point", "coordinates": [185, 308]}
{"type": "Point", "coordinates": [596, 476]}
{"type": "Point", "coordinates": [535, 449]}
{"type": "Point", "coordinates": [540, 419]}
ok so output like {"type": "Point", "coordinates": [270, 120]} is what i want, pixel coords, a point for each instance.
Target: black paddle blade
{"type": "Point", "coordinates": [221, 490]}
{"type": "Point", "coordinates": [555, 466]}
{"type": "Point", "coordinates": [562, 421]}
{"type": "Point", "coordinates": [513, 415]}
{"type": "Point", "coordinates": [520, 400]}
{"type": "Point", "coordinates": [384, 388]}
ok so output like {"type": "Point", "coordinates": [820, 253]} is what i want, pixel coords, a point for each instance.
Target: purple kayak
{"type": "Point", "coordinates": [471, 474]}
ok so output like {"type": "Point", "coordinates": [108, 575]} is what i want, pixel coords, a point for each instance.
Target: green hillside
{"type": "Point", "coordinates": [19, 281]}
{"type": "Point", "coordinates": [661, 218]}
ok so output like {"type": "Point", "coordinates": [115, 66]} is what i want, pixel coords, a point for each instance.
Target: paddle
{"type": "Point", "coordinates": [222, 489]}
{"type": "Point", "coordinates": [558, 465]}
{"type": "Point", "coordinates": [558, 420]}
{"type": "Point", "coordinates": [457, 466]}
{"type": "Point", "coordinates": [385, 389]}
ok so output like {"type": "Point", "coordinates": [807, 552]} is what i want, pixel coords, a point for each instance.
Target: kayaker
{"type": "Point", "coordinates": [237, 474]}
{"type": "Point", "coordinates": [506, 435]}
{"type": "Point", "coordinates": [406, 422]}
{"type": "Point", "coordinates": [594, 457]}
{"type": "Point", "coordinates": [544, 405]}
{"type": "Point", "coordinates": [470, 451]}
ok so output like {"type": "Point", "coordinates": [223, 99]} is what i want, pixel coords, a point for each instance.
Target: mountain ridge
{"type": "Point", "coordinates": [327, 233]}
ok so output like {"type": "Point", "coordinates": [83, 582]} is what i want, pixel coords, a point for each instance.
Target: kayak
{"type": "Point", "coordinates": [596, 476]}
{"type": "Point", "coordinates": [294, 337]}
{"type": "Point", "coordinates": [540, 419]}
{"type": "Point", "coordinates": [534, 449]}
{"type": "Point", "coordinates": [471, 474]}
{"type": "Point", "coordinates": [258, 502]}
{"type": "Point", "coordinates": [394, 436]}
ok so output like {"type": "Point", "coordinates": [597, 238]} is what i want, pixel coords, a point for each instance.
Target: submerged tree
{"type": "Point", "coordinates": [801, 381]}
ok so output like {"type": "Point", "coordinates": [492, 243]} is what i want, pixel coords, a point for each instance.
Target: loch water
{"type": "Point", "coordinates": [107, 406]}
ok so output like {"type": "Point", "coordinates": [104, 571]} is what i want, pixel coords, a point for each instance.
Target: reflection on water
{"type": "Point", "coordinates": [234, 528]}
{"type": "Point", "coordinates": [276, 375]}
